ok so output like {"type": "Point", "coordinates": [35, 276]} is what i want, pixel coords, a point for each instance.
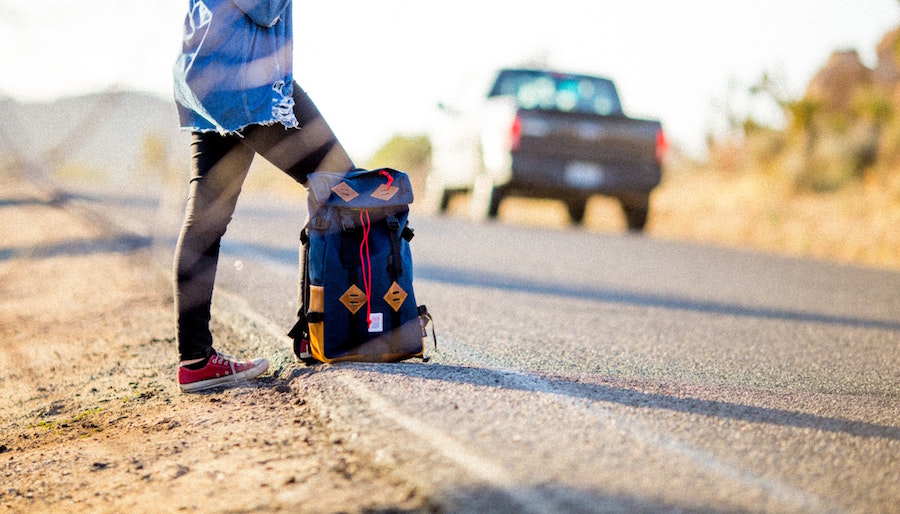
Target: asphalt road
{"type": "Point", "coordinates": [586, 372]}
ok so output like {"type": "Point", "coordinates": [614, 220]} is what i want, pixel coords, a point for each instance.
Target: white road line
{"type": "Point", "coordinates": [481, 468]}
{"type": "Point", "coordinates": [485, 470]}
{"type": "Point", "coordinates": [496, 475]}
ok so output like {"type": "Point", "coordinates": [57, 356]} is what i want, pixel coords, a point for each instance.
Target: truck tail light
{"type": "Point", "coordinates": [662, 146]}
{"type": "Point", "coordinates": [515, 134]}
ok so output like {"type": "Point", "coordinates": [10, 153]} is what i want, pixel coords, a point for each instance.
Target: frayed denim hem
{"type": "Point", "coordinates": [283, 110]}
{"type": "Point", "coordinates": [238, 131]}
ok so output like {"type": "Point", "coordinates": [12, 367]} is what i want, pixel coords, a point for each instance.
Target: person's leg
{"type": "Point", "coordinates": [299, 152]}
{"type": "Point", "coordinates": [219, 165]}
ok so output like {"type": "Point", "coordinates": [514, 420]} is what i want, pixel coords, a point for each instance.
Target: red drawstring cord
{"type": "Point", "coordinates": [365, 258]}
{"type": "Point", "coordinates": [390, 178]}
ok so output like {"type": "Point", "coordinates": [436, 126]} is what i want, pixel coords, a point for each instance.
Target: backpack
{"type": "Point", "coordinates": [357, 287]}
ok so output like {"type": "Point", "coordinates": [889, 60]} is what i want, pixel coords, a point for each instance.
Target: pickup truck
{"type": "Point", "coordinates": [546, 134]}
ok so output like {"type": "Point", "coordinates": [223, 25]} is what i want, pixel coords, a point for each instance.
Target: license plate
{"type": "Point", "coordinates": [584, 175]}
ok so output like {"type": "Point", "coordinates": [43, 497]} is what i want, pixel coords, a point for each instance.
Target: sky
{"type": "Point", "coordinates": [379, 68]}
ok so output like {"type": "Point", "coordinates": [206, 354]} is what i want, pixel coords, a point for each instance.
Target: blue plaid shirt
{"type": "Point", "coordinates": [236, 65]}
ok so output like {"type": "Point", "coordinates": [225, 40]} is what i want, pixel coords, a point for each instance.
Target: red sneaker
{"type": "Point", "coordinates": [221, 369]}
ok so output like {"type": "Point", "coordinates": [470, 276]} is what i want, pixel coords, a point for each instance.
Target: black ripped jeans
{"type": "Point", "coordinates": [219, 165]}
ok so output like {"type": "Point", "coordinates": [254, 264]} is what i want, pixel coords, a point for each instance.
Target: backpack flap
{"type": "Point", "coordinates": [359, 189]}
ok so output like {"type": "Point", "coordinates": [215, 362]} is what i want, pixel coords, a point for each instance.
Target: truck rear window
{"type": "Point", "coordinates": [535, 89]}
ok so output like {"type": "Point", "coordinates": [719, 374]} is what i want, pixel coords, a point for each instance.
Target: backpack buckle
{"type": "Point", "coordinates": [393, 223]}
{"type": "Point", "coordinates": [347, 222]}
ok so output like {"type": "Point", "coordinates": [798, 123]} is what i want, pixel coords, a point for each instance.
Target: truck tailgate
{"type": "Point", "coordinates": [586, 151]}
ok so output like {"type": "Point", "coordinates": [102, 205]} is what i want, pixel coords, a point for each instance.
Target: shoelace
{"type": "Point", "coordinates": [221, 358]}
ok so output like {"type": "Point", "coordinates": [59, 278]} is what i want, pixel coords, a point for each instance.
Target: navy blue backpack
{"type": "Point", "coordinates": [358, 300]}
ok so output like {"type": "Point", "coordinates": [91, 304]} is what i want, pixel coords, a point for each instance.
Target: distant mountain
{"type": "Point", "coordinates": [103, 134]}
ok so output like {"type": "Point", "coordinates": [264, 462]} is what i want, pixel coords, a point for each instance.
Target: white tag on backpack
{"type": "Point", "coordinates": [376, 322]}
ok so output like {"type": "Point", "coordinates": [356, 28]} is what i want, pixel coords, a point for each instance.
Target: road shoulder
{"type": "Point", "coordinates": [92, 418]}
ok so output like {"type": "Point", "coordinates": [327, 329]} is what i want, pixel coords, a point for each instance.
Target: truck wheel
{"type": "Point", "coordinates": [485, 199]}
{"type": "Point", "coordinates": [444, 201]}
{"type": "Point", "coordinates": [437, 198]}
{"type": "Point", "coordinates": [636, 214]}
{"type": "Point", "coordinates": [577, 209]}
{"type": "Point", "coordinates": [496, 197]}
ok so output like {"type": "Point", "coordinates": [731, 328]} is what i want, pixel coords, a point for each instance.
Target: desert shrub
{"type": "Point", "coordinates": [407, 153]}
{"type": "Point", "coordinates": [838, 158]}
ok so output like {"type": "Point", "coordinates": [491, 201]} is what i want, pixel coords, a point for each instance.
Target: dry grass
{"type": "Point", "coordinates": [857, 224]}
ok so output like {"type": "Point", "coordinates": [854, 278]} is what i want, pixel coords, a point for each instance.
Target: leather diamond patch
{"type": "Point", "coordinates": [353, 299]}
{"type": "Point", "coordinates": [395, 296]}
{"type": "Point", "coordinates": [346, 192]}
{"type": "Point", "coordinates": [385, 193]}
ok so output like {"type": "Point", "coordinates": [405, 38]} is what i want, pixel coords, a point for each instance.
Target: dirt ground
{"type": "Point", "coordinates": [92, 419]}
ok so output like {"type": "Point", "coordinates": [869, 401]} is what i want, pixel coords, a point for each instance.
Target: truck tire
{"type": "Point", "coordinates": [577, 209]}
{"type": "Point", "coordinates": [636, 214]}
{"type": "Point", "coordinates": [485, 199]}
{"type": "Point", "coordinates": [443, 201]}
{"type": "Point", "coordinates": [437, 197]}
{"type": "Point", "coordinates": [497, 195]}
